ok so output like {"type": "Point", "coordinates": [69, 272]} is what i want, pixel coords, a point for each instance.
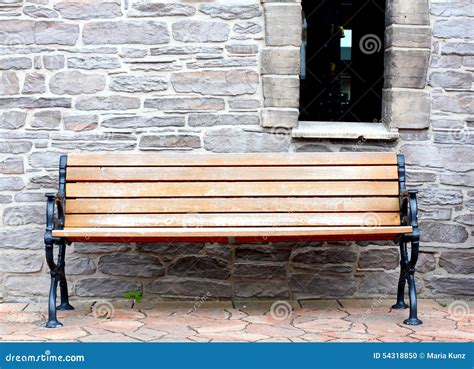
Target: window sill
{"type": "Point", "coordinates": [344, 130]}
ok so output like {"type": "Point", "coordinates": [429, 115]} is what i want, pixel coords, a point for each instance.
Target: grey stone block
{"type": "Point", "coordinates": [12, 119]}
{"type": "Point", "coordinates": [107, 103]}
{"type": "Point", "coordinates": [451, 80]}
{"type": "Point", "coordinates": [199, 266]}
{"type": "Point", "coordinates": [138, 83]}
{"type": "Point", "coordinates": [234, 11]}
{"type": "Point", "coordinates": [379, 259]}
{"type": "Point", "coordinates": [89, 9]}
{"type": "Point", "coordinates": [132, 265]}
{"type": "Point", "coordinates": [49, 33]}
{"type": "Point", "coordinates": [9, 83]}
{"type": "Point", "coordinates": [22, 239]}
{"type": "Point", "coordinates": [281, 60]}
{"type": "Point", "coordinates": [47, 119]}
{"type": "Point", "coordinates": [281, 91]}
{"type": "Point", "coordinates": [450, 285]}
{"type": "Point", "coordinates": [249, 288]}
{"type": "Point", "coordinates": [24, 214]}
{"type": "Point", "coordinates": [318, 255]}
{"type": "Point", "coordinates": [144, 121]}
{"type": "Point", "coordinates": [34, 84]}
{"type": "Point", "coordinates": [238, 140]}
{"type": "Point", "coordinates": [232, 82]}
{"type": "Point", "coordinates": [454, 28]}
{"type": "Point", "coordinates": [443, 233]}
{"type": "Point", "coordinates": [38, 11]}
{"type": "Point", "coordinates": [76, 83]}
{"type": "Point", "coordinates": [397, 115]}
{"type": "Point", "coordinates": [34, 103]}
{"type": "Point", "coordinates": [406, 36]}
{"type": "Point", "coordinates": [259, 270]}
{"type": "Point", "coordinates": [247, 28]}
{"type": "Point", "coordinates": [200, 31]}
{"type": "Point", "coordinates": [125, 32]}
{"type": "Point", "coordinates": [457, 262]}
{"type": "Point", "coordinates": [210, 120]}
{"type": "Point", "coordinates": [407, 12]}
{"type": "Point", "coordinates": [105, 287]}
{"type": "Point", "coordinates": [305, 286]}
{"type": "Point", "coordinates": [21, 262]}
{"type": "Point", "coordinates": [283, 24]}
{"type": "Point", "coordinates": [167, 141]}
{"type": "Point", "coordinates": [283, 118]}
{"type": "Point", "coordinates": [156, 9]}
{"type": "Point", "coordinates": [185, 103]}
{"type": "Point", "coordinates": [176, 286]}
{"type": "Point", "coordinates": [93, 62]}
{"type": "Point", "coordinates": [406, 68]}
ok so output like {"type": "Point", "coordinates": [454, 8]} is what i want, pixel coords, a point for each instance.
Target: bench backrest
{"type": "Point", "coordinates": [231, 190]}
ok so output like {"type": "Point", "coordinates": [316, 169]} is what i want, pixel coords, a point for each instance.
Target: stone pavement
{"type": "Point", "coordinates": [251, 321]}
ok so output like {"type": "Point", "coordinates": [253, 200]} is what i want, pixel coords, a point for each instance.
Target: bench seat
{"type": "Point", "coordinates": [231, 198]}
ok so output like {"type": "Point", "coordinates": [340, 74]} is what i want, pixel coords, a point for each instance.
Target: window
{"type": "Point", "coordinates": [342, 64]}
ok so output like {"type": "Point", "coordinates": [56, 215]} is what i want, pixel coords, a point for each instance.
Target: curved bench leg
{"type": "Point", "coordinates": [413, 318]}
{"type": "Point", "coordinates": [52, 317]}
{"type": "Point", "coordinates": [64, 305]}
{"type": "Point", "coordinates": [403, 275]}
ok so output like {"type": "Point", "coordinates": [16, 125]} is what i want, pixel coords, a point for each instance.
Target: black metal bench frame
{"type": "Point", "coordinates": [55, 216]}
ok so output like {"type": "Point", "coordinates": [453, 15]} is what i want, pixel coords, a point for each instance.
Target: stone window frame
{"type": "Point", "coordinates": [405, 100]}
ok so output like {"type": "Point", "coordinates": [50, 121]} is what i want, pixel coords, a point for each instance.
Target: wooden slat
{"type": "Point", "coordinates": [263, 232]}
{"type": "Point", "coordinates": [153, 159]}
{"type": "Point", "coordinates": [322, 173]}
{"type": "Point", "coordinates": [233, 205]}
{"type": "Point", "coordinates": [231, 220]}
{"type": "Point", "coordinates": [230, 189]}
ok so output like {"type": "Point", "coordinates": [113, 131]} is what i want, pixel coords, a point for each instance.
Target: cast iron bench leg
{"type": "Point", "coordinates": [413, 318]}
{"type": "Point", "coordinates": [52, 318]}
{"type": "Point", "coordinates": [64, 305]}
{"type": "Point", "coordinates": [403, 276]}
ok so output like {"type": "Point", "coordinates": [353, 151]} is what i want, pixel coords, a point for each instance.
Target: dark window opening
{"type": "Point", "coordinates": [342, 60]}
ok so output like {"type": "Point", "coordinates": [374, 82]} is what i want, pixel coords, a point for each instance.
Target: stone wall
{"type": "Point", "coordinates": [205, 76]}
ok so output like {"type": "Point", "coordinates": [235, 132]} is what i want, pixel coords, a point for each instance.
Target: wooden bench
{"type": "Point", "coordinates": [154, 197]}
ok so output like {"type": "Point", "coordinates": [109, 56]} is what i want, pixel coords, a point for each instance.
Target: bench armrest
{"type": "Point", "coordinates": [409, 208]}
{"type": "Point", "coordinates": [54, 219]}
